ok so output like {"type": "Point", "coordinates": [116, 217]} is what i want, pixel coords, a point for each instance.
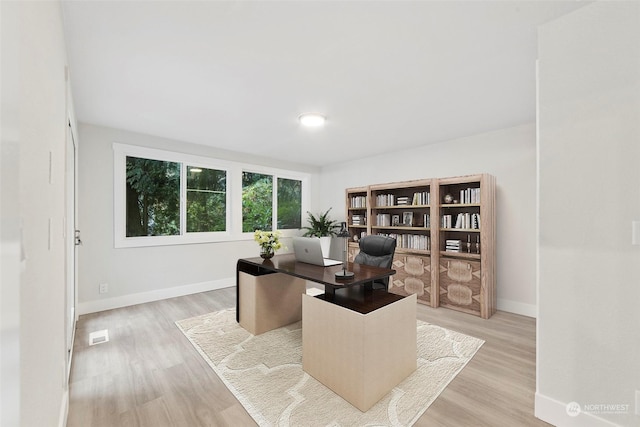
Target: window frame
{"type": "Point", "coordinates": [285, 232]}
{"type": "Point", "coordinates": [234, 218]}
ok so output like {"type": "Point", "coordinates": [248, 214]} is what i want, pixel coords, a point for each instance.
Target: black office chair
{"type": "Point", "coordinates": [377, 251]}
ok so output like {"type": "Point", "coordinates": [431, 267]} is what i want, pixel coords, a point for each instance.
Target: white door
{"type": "Point", "coordinates": [72, 239]}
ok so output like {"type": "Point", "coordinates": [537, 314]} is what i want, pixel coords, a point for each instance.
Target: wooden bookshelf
{"type": "Point", "coordinates": [402, 210]}
{"type": "Point", "coordinates": [448, 263]}
{"type": "Point", "coordinates": [467, 276]}
{"type": "Point", "coordinates": [358, 212]}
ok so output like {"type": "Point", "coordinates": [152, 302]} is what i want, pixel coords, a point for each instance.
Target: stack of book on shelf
{"type": "Point", "coordinates": [402, 200]}
{"type": "Point", "coordinates": [358, 202]}
{"type": "Point", "coordinates": [411, 241]}
{"type": "Point", "coordinates": [421, 198]}
{"type": "Point", "coordinates": [426, 220]}
{"type": "Point", "coordinates": [385, 200]}
{"type": "Point", "coordinates": [383, 220]}
{"type": "Point", "coordinates": [470, 195]}
{"type": "Point", "coordinates": [453, 245]}
{"type": "Point", "coordinates": [446, 221]}
{"type": "Point", "coordinates": [358, 220]}
{"type": "Point", "coordinates": [468, 221]}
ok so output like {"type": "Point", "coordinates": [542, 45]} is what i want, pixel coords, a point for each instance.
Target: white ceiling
{"type": "Point", "coordinates": [236, 74]}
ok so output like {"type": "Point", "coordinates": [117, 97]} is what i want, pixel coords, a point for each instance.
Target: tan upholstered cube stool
{"type": "Point", "coordinates": [360, 356]}
{"type": "Point", "coordinates": [269, 301]}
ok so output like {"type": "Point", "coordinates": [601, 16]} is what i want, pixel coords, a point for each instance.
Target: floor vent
{"type": "Point", "coordinates": [99, 337]}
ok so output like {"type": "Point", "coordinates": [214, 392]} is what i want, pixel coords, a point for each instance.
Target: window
{"type": "Point", "coordinates": [289, 204]}
{"type": "Point", "coordinates": [153, 197]}
{"type": "Point", "coordinates": [154, 202]}
{"type": "Point", "coordinates": [166, 198]}
{"type": "Point", "coordinates": [258, 202]}
{"type": "Point", "coordinates": [206, 200]}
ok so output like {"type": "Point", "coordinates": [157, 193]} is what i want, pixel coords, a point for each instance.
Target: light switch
{"type": "Point", "coordinates": [635, 232]}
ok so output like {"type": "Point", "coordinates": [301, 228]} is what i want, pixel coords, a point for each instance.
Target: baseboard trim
{"type": "Point", "coordinates": [529, 310]}
{"type": "Point", "coordinates": [155, 295]}
{"type": "Point", "coordinates": [64, 409]}
{"type": "Point", "coordinates": [555, 412]}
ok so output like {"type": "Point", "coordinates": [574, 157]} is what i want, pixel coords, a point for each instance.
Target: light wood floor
{"type": "Point", "coordinates": [148, 374]}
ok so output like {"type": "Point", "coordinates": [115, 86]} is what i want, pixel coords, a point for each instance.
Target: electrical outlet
{"type": "Point", "coordinates": [104, 288]}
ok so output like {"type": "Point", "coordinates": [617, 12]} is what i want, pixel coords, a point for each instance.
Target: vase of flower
{"type": "Point", "coordinates": [266, 252]}
{"type": "Point", "coordinates": [269, 242]}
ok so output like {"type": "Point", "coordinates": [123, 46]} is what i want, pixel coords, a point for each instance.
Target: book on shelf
{"type": "Point", "coordinates": [426, 220]}
{"type": "Point", "coordinates": [467, 221]}
{"type": "Point", "coordinates": [453, 245]}
{"type": "Point", "coordinates": [358, 202]}
{"type": "Point", "coordinates": [470, 196]}
{"type": "Point", "coordinates": [411, 241]}
{"type": "Point", "coordinates": [358, 220]}
{"type": "Point", "coordinates": [383, 220]}
{"type": "Point", "coordinates": [402, 200]}
{"type": "Point", "coordinates": [475, 221]}
{"type": "Point", "coordinates": [421, 198]}
{"type": "Point", "coordinates": [385, 200]}
{"type": "Point", "coordinates": [446, 221]}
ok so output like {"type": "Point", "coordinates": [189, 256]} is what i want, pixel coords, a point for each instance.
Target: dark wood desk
{"type": "Point", "coordinates": [287, 264]}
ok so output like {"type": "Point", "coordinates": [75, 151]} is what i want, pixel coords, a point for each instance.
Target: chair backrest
{"type": "Point", "coordinates": [377, 251]}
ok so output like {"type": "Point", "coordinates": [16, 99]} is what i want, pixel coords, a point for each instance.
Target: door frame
{"type": "Point", "coordinates": [71, 247]}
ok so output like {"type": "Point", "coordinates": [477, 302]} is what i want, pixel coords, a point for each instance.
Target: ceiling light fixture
{"type": "Point", "coordinates": [312, 119]}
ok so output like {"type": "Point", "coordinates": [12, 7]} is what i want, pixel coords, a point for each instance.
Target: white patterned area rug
{"type": "Point", "coordinates": [265, 374]}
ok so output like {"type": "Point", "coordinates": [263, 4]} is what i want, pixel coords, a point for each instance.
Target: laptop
{"type": "Point", "coordinates": [308, 249]}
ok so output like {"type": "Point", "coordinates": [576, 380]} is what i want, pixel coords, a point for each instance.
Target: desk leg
{"type": "Point", "coordinates": [336, 341]}
{"type": "Point", "coordinates": [269, 301]}
{"type": "Point", "coordinates": [252, 269]}
{"type": "Point", "coordinates": [330, 292]}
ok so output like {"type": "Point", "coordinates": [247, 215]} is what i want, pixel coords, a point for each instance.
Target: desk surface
{"type": "Point", "coordinates": [325, 275]}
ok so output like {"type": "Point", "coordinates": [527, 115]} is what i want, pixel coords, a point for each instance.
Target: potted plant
{"type": "Point", "coordinates": [323, 227]}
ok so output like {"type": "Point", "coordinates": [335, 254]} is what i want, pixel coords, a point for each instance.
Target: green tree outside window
{"type": "Point", "coordinates": [257, 202]}
{"type": "Point", "coordinates": [206, 200]}
{"type": "Point", "coordinates": [289, 204]}
{"type": "Point", "coordinates": [153, 197]}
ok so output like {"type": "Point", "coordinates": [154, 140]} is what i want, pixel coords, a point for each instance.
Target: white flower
{"type": "Point", "coordinates": [268, 239]}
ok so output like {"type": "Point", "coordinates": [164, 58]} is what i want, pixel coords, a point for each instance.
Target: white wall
{"type": "Point", "coordinates": [137, 275]}
{"type": "Point", "coordinates": [38, 124]}
{"type": "Point", "coordinates": [589, 192]}
{"type": "Point", "coordinates": [508, 154]}
{"type": "Point", "coordinates": [10, 219]}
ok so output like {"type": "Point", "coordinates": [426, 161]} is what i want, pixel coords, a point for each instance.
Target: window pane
{"type": "Point", "coordinates": [206, 200]}
{"type": "Point", "coordinates": [289, 203]}
{"type": "Point", "coordinates": [257, 202]}
{"type": "Point", "coordinates": [153, 197]}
